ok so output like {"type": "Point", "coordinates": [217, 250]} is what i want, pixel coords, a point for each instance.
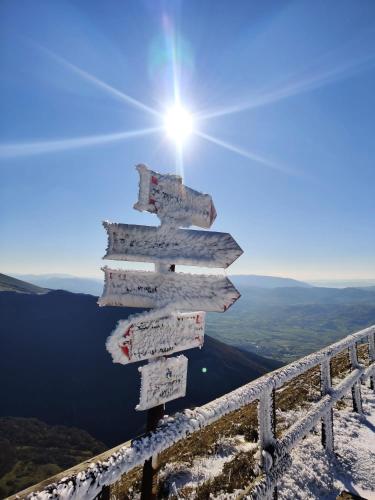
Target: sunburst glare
{"type": "Point", "coordinates": [13, 150]}
{"type": "Point", "coordinates": [178, 123]}
{"type": "Point", "coordinates": [246, 154]}
{"type": "Point", "coordinates": [297, 85]}
{"type": "Point", "coordinates": [85, 75]}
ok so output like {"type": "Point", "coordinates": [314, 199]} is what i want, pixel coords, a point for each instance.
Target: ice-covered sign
{"type": "Point", "coordinates": [166, 196]}
{"type": "Point", "coordinates": [155, 335]}
{"type": "Point", "coordinates": [162, 381]}
{"type": "Point", "coordinates": [185, 292]}
{"type": "Point", "coordinates": [160, 244]}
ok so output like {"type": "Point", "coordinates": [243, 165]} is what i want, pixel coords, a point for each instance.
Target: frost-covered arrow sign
{"type": "Point", "coordinates": [166, 196]}
{"type": "Point", "coordinates": [181, 246]}
{"type": "Point", "coordinates": [156, 335]}
{"type": "Point", "coordinates": [184, 292]}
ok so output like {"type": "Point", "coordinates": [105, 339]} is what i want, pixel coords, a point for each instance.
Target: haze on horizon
{"type": "Point", "coordinates": [284, 107]}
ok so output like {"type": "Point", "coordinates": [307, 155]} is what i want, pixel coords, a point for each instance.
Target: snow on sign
{"type": "Point", "coordinates": [162, 380]}
{"type": "Point", "coordinates": [185, 292]}
{"type": "Point", "coordinates": [155, 335]}
{"type": "Point", "coordinates": [181, 246]}
{"type": "Point", "coordinates": [166, 196]}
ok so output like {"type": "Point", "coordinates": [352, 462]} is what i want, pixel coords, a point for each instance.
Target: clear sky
{"type": "Point", "coordinates": [283, 94]}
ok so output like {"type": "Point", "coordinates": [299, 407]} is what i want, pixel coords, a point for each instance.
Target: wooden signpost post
{"type": "Point", "coordinates": [171, 327]}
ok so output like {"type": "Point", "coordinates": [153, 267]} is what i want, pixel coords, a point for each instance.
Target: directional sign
{"type": "Point", "coordinates": [162, 381]}
{"type": "Point", "coordinates": [184, 291]}
{"type": "Point", "coordinates": [181, 246]}
{"type": "Point", "coordinates": [156, 335]}
{"type": "Point", "coordinates": [166, 196]}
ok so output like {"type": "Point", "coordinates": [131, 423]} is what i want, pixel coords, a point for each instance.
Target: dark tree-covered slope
{"type": "Point", "coordinates": [55, 366]}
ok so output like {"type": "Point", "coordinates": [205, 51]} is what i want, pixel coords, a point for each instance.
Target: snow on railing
{"type": "Point", "coordinates": [89, 482]}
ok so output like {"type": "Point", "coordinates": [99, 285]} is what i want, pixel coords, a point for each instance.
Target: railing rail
{"type": "Point", "coordinates": [88, 482]}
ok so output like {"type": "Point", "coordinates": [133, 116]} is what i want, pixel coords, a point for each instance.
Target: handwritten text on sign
{"type": "Point", "coordinates": [186, 292]}
{"type": "Point", "coordinates": [162, 381]}
{"type": "Point", "coordinates": [182, 246]}
{"type": "Point", "coordinates": [166, 196]}
{"type": "Point", "coordinates": [155, 336]}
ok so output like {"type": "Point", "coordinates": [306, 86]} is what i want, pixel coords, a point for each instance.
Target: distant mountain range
{"type": "Point", "coordinates": [94, 286]}
{"type": "Point", "coordinates": [253, 280]}
{"type": "Point", "coordinates": [359, 283]}
{"type": "Point", "coordinates": [55, 367]}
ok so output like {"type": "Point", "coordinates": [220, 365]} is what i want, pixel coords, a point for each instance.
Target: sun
{"type": "Point", "coordinates": [178, 124]}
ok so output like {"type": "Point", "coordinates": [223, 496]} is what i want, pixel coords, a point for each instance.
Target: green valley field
{"type": "Point", "coordinates": [290, 322]}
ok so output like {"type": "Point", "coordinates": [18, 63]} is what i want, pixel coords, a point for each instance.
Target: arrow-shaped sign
{"type": "Point", "coordinates": [166, 196]}
{"type": "Point", "coordinates": [181, 246]}
{"type": "Point", "coordinates": [185, 292]}
{"type": "Point", "coordinates": [156, 335]}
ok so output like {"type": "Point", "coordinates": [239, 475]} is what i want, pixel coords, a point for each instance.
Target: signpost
{"type": "Point", "coordinates": [171, 327]}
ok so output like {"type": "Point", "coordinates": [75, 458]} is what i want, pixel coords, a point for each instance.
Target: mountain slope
{"type": "Point", "coordinates": [55, 366]}
{"type": "Point", "coordinates": [9, 284]}
{"type": "Point", "coordinates": [254, 280]}
{"type": "Point", "coordinates": [65, 282]}
{"type": "Point", "coordinates": [31, 450]}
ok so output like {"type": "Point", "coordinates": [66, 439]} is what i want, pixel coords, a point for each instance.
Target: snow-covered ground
{"type": "Point", "coordinates": [204, 468]}
{"type": "Point", "coordinates": [316, 475]}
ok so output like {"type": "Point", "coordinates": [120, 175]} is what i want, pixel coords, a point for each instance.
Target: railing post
{"type": "Point", "coordinates": [327, 419]}
{"type": "Point", "coordinates": [105, 494]}
{"type": "Point", "coordinates": [356, 389]}
{"type": "Point", "coordinates": [267, 432]}
{"type": "Point", "coordinates": [371, 353]}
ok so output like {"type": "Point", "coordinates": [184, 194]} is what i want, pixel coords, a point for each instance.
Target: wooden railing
{"type": "Point", "coordinates": [91, 479]}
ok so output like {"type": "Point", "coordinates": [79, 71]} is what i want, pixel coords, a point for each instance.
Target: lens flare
{"type": "Point", "coordinates": [178, 123]}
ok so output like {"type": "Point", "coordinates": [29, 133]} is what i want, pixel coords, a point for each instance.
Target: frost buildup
{"type": "Point", "coordinates": [156, 335]}
{"type": "Point", "coordinates": [162, 380]}
{"type": "Point", "coordinates": [162, 245]}
{"type": "Point", "coordinates": [177, 291]}
{"type": "Point", "coordinates": [166, 196]}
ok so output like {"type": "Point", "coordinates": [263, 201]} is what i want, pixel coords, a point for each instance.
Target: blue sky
{"type": "Point", "coordinates": [287, 88]}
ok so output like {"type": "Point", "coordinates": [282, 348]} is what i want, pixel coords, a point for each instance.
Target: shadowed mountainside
{"type": "Point", "coordinates": [55, 366]}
